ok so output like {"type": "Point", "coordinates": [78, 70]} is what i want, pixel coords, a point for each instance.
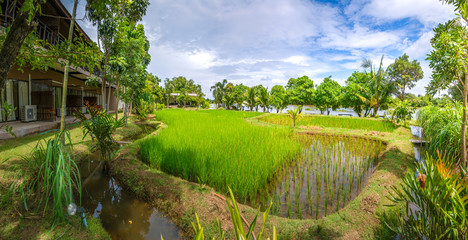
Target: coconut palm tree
{"type": "Point", "coordinates": [263, 97]}
{"type": "Point", "coordinates": [252, 98]}
{"type": "Point", "coordinates": [218, 91]}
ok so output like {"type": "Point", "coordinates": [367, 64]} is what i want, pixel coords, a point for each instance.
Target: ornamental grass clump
{"type": "Point", "coordinates": [51, 178]}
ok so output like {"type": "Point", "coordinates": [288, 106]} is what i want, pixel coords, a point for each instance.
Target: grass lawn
{"type": "Point", "coordinates": [15, 221]}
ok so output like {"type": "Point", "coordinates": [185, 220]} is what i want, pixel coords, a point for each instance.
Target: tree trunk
{"type": "Point", "coordinates": [463, 127]}
{"type": "Point", "coordinates": [108, 98]}
{"type": "Point", "coordinates": [67, 69]}
{"type": "Point", "coordinates": [117, 105]}
{"type": "Point", "coordinates": [264, 109]}
{"type": "Point", "coordinates": [103, 79]}
{"type": "Point", "coordinates": [19, 30]}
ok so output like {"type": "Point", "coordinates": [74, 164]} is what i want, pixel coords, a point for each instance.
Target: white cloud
{"type": "Point", "coordinates": [420, 47]}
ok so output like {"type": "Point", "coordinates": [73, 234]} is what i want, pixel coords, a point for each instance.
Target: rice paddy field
{"type": "Point", "coordinates": [331, 172]}
{"type": "Point", "coordinates": [220, 149]}
{"type": "Point", "coordinates": [333, 122]}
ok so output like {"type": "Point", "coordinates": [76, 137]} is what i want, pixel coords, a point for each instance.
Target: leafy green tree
{"type": "Point", "coordinates": [278, 98]}
{"type": "Point", "coordinates": [379, 85]}
{"type": "Point", "coordinates": [228, 96]}
{"type": "Point", "coordinates": [405, 74]}
{"type": "Point", "coordinates": [357, 88]}
{"type": "Point", "coordinates": [449, 63]}
{"type": "Point", "coordinates": [263, 97]}
{"type": "Point", "coordinates": [200, 95]}
{"type": "Point", "coordinates": [218, 91]}
{"type": "Point", "coordinates": [300, 91]}
{"type": "Point", "coordinates": [402, 112]}
{"type": "Point", "coordinates": [23, 25]}
{"type": "Point", "coordinates": [240, 95]}
{"type": "Point", "coordinates": [328, 95]}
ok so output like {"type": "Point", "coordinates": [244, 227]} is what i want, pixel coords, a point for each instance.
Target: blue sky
{"type": "Point", "coordinates": [269, 41]}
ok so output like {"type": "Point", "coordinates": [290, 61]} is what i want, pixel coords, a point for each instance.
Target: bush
{"type": "Point", "coordinates": [100, 126]}
{"type": "Point", "coordinates": [442, 129]}
{"type": "Point", "coordinates": [160, 106]}
{"type": "Point", "coordinates": [403, 112]}
{"type": "Point", "coordinates": [439, 195]}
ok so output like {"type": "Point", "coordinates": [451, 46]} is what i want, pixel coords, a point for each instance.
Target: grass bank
{"type": "Point", "coordinates": [15, 221]}
{"type": "Point", "coordinates": [333, 122]}
{"type": "Point", "coordinates": [219, 148]}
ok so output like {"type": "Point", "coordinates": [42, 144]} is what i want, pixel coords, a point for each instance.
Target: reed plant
{"type": "Point", "coordinates": [219, 148]}
{"type": "Point", "coordinates": [333, 122]}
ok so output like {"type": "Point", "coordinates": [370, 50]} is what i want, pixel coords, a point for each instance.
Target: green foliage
{"type": "Point", "coordinates": [198, 146]}
{"type": "Point", "coordinates": [436, 201]}
{"type": "Point", "coordinates": [403, 112]}
{"type": "Point", "coordinates": [328, 95]}
{"type": "Point", "coordinates": [333, 122]}
{"type": "Point", "coordinates": [405, 74]}
{"type": "Point", "coordinates": [278, 98]}
{"type": "Point", "coordinates": [295, 114]}
{"type": "Point", "coordinates": [252, 98]}
{"type": "Point", "coordinates": [356, 93]}
{"type": "Point", "coordinates": [448, 57]}
{"type": "Point", "coordinates": [263, 97]}
{"type": "Point", "coordinates": [100, 126]}
{"type": "Point", "coordinates": [51, 177]}
{"type": "Point", "coordinates": [240, 95]}
{"type": "Point", "coordinates": [300, 90]}
{"type": "Point", "coordinates": [441, 126]}
{"type": "Point", "coordinates": [5, 112]}
{"type": "Point", "coordinates": [160, 106]}
{"type": "Point", "coordinates": [218, 91]}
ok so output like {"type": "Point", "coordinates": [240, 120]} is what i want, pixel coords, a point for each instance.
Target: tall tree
{"type": "Point", "coordinates": [67, 69]}
{"type": "Point", "coordinates": [218, 91]}
{"type": "Point", "coordinates": [379, 85]}
{"type": "Point", "coordinates": [278, 98]}
{"type": "Point", "coordinates": [300, 91]}
{"type": "Point", "coordinates": [23, 24]}
{"type": "Point", "coordinates": [357, 89]}
{"type": "Point", "coordinates": [449, 63]}
{"type": "Point", "coordinates": [252, 98]}
{"type": "Point", "coordinates": [328, 95]}
{"type": "Point", "coordinates": [263, 97]}
{"type": "Point", "coordinates": [404, 73]}
{"type": "Point", "coordinates": [240, 95]}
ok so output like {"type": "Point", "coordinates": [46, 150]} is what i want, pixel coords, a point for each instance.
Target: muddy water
{"type": "Point", "coordinates": [122, 215]}
{"type": "Point", "coordinates": [331, 173]}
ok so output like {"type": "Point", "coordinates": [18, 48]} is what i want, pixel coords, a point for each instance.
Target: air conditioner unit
{"type": "Point", "coordinates": [59, 112]}
{"type": "Point", "coordinates": [29, 113]}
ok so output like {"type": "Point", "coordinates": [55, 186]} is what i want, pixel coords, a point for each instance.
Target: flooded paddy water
{"type": "Point", "coordinates": [121, 213]}
{"type": "Point", "coordinates": [331, 172]}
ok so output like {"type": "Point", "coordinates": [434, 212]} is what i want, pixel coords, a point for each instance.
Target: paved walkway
{"type": "Point", "coordinates": [21, 129]}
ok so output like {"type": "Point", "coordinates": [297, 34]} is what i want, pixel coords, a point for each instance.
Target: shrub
{"type": "Point", "coordinates": [439, 195]}
{"type": "Point", "coordinates": [403, 112]}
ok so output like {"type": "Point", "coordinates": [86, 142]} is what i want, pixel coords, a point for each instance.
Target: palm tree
{"type": "Point", "coordinates": [263, 97]}
{"type": "Point", "coordinates": [295, 114]}
{"type": "Point", "coordinates": [218, 91]}
{"type": "Point", "coordinates": [380, 87]}
{"type": "Point", "coordinates": [252, 98]}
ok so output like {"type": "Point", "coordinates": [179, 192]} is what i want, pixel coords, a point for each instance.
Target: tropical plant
{"type": "Point", "coordinates": [51, 177]}
{"type": "Point", "coordinates": [436, 201]}
{"type": "Point", "coordinates": [218, 91]}
{"type": "Point", "coordinates": [380, 87]}
{"type": "Point", "coordinates": [5, 112]}
{"type": "Point", "coordinates": [100, 127]}
{"type": "Point", "coordinates": [252, 98]}
{"type": "Point", "coordinates": [263, 97]}
{"type": "Point", "coordinates": [295, 114]}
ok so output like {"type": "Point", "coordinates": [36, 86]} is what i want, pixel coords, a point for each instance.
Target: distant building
{"type": "Point", "coordinates": [173, 97]}
{"type": "Point", "coordinates": [43, 89]}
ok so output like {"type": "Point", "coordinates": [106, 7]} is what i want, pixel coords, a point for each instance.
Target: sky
{"type": "Point", "coordinates": [270, 41]}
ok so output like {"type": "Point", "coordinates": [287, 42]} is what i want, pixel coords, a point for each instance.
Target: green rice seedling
{"type": "Point", "coordinates": [209, 144]}
{"type": "Point", "coordinates": [334, 122]}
